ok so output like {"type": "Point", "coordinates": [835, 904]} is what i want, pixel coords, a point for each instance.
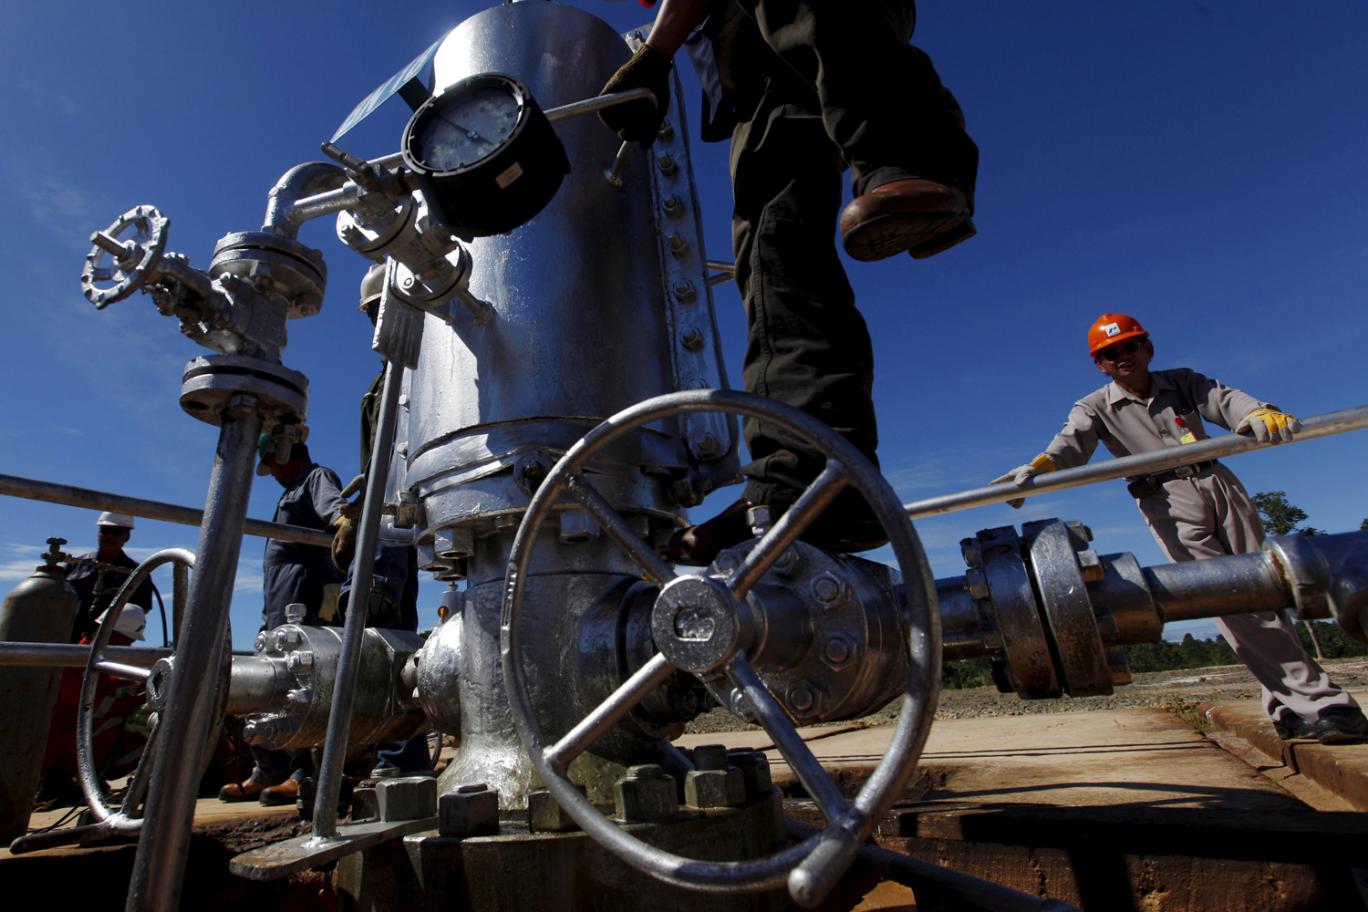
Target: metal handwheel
{"type": "Point", "coordinates": [127, 818]}
{"type": "Point", "coordinates": [813, 866]}
{"type": "Point", "coordinates": [132, 261]}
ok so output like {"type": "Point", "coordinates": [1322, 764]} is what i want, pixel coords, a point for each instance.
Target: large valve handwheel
{"type": "Point", "coordinates": [127, 818]}
{"type": "Point", "coordinates": [689, 604]}
{"type": "Point", "coordinates": [118, 265]}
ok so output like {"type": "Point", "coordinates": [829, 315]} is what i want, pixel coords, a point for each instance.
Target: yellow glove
{"type": "Point", "coordinates": [1022, 474]}
{"type": "Point", "coordinates": [1269, 425]}
{"type": "Point", "coordinates": [343, 543]}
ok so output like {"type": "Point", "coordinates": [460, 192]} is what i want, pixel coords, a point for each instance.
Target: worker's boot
{"type": "Point", "coordinates": [923, 217]}
{"type": "Point", "coordinates": [1336, 725]}
{"type": "Point", "coordinates": [250, 790]}
{"type": "Point", "coordinates": [286, 792]}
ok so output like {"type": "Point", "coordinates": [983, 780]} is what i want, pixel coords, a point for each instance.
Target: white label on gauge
{"type": "Point", "coordinates": [509, 175]}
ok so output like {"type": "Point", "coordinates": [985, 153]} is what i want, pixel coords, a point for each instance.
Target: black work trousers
{"type": "Point", "coordinates": [818, 87]}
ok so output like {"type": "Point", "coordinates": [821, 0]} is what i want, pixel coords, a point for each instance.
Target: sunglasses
{"type": "Point", "coordinates": [111, 530]}
{"type": "Point", "coordinates": [1112, 352]}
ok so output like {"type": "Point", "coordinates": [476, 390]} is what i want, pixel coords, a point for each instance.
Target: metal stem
{"type": "Point", "coordinates": [363, 567]}
{"type": "Point", "coordinates": [614, 174]}
{"type": "Point", "coordinates": [598, 103]}
{"type": "Point", "coordinates": [155, 883]}
{"type": "Point", "coordinates": [72, 496]}
{"type": "Point", "coordinates": [326, 203]}
{"type": "Point", "coordinates": [1354, 419]}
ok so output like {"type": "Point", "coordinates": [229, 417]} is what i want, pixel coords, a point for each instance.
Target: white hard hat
{"type": "Point", "coordinates": [122, 520]}
{"type": "Point", "coordinates": [132, 621]}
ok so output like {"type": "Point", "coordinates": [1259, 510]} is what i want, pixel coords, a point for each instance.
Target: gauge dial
{"type": "Point", "coordinates": [485, 156]}
{"type": "Point", "coordinates": [469, 128]}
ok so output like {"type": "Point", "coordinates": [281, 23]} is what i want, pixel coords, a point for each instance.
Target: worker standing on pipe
{"type": "Point", "coordinates": [1200, 510]}
{"type": "Point", "coordinates": [805, 90]}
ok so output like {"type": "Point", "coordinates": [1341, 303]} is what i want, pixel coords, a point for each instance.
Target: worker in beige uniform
{"type": "Point", "coordinates": [1199, 510]}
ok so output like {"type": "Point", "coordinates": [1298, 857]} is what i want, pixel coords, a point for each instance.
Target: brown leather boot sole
{"type": "Point", "coordinates": [922, 217]}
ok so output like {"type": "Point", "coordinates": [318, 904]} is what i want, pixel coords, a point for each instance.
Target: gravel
{"type": "Point", "coordinates": [1173, 690]}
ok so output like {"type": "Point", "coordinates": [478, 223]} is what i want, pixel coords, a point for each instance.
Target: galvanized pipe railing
{"type": "Point", "coordinates": [63, 655]}
{"type": "Point", "coordinates": [1354, 419]}
{"type": "Point", "coordinates": [72, 496]}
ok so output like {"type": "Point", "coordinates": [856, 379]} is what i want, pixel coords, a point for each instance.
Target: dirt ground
{"type": "Point", "coordinates": [1175, 690]}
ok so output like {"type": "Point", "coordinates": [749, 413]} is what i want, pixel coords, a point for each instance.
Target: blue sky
{"type": "Point", "coordinates": [1199, 165]}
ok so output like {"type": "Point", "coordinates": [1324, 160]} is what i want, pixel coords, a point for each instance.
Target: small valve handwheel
{"type": "Point", "coordinates": [132, 260]}
{"type": "Point", "coordinates": [714, 611]}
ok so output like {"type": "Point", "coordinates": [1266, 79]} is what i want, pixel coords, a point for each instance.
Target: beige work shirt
{"type": "Point", "coordinates": [1127, 424]}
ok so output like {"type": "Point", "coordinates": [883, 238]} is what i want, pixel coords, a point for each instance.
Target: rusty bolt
{"type": "Point", "coordinates": [684, 291]}
{"type": "Point", "coordinates": [973, 555]}
{"type": "Point", "coordinates": [666, 164]}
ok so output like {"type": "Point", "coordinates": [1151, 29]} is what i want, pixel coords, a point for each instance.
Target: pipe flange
{"type": "Point", "coordinates": [1012, 611]}
{"type": "Point", "coordinates": [277, 266]}
{"type": "Point", "coordinates": [210, 383]}
{"type": "Point", "coordinates": [1067, 608]}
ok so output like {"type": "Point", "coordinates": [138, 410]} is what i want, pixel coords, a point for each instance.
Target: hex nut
{"type": "Point", "coordinates": [365, 804]}
{"type": "Point", "coordinates": [545, 815]}
{"type": "Point", "coordinates": [976, 583]}
{"type": "Point", "coordinates": [714, 788]}
{"type": "Point", "coordinates": [827, 589]}
{"type": "Point", "coordinates": [406, 798]}
{"type": "Point", "coordinates": [1090, 566]}
{"type": "Point", "coordinates": [755, 771]}
{"type": "Point", "coordinates": [646, 794]}
{"type": "Point", "coordinates": [710, 757]}
{"type": "Point", "coordinates": [971, 552]}
{"type": "Point", "coordinates": [471, 810]}
{"type": "Point", "coordinates": [839, 652]}
{"type": "Point", "coordinates": [759, 518]}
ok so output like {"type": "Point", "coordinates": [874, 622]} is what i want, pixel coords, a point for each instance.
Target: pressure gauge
{"type": "Point", "coordinates": [486, 157]}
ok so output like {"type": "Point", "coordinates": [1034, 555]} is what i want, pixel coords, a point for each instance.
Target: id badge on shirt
{"type": "Point", "coordinates": [1185, 435]}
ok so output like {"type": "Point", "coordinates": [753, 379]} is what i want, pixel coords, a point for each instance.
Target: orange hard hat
{"type": "Point", "coordinates": [1110, 328]}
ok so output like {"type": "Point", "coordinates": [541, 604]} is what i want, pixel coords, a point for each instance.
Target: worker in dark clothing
{"type": "Point", "coordinates": [293, 573]}
{"type": "Point", "coordinates": [805, 90]}
{"type": "Point", "coordinates": [98, 576]}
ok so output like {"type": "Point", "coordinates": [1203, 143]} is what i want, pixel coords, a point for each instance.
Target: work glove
{"type": "Point", "coordinates": [639, 121]}
{"type": "Point", "coordinates": [1024, 473]}
{"type": "Point", "coordinates": [344, 542]}
{"type": "Point", "coordinates": [1269, 425]}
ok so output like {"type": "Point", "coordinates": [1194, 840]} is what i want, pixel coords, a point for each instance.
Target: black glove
{"type": "Point", "coordinates": [639, 121]}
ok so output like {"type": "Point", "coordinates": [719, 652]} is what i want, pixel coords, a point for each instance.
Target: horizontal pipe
{"type": "Point", "coordinates": [1354, 419]}
{"type": "Point", "coordinates": [1233, 584]}
{"type": "Point", "coordinates": [63, 655]}
{"type": "Point", "coordinates": [326, 203]}
{"type": "Point", "coordinates": [89, 498]}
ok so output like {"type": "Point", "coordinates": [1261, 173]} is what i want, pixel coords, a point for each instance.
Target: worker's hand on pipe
{"type": "Point", "coordinates": [343, 543]}
{"type": "Point", "coordinates": [1269, 425]}
{"type": "Point", "coordinates": [639, 121]}
{"type": "Point", "coordinates": [1024, 473]}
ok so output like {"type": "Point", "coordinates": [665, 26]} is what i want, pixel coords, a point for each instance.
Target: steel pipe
{"type": "Point", "coordinates": [62, 655]}
{"type": "Point", "coordinates": [1354, 419]}
{"type": "Point", "coordinates": [89, 498]}
{"type": "Point", "coordinates": [1234, 584]}
{"type": "Point", "coordinates": [363, 568]}
{"type": "Point", "coordinates": [283, 216]}
{"type": "Point", "coordinates": [155, 882]}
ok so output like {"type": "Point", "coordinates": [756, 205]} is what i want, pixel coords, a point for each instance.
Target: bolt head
{"type": "Point", "coordinates": [827, 590]}
{"type": "Point", "coordinates": [976, 583]}
{"type": "Point", "coordinates": [839, 652]}
{"type": "Point", "coordinates": [801, 699]}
